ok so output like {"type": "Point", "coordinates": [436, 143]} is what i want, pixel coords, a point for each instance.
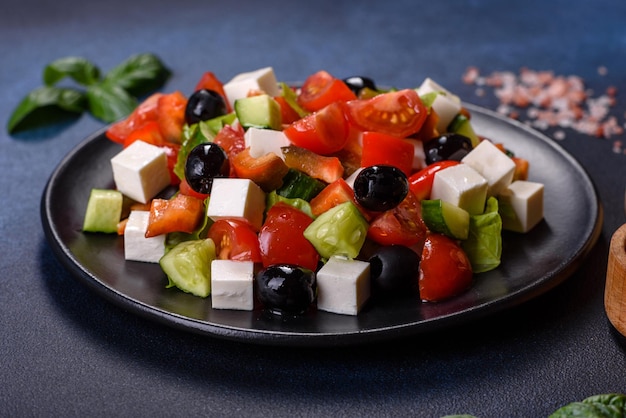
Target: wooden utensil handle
{"type": "Point", "coordinates": [615, 290]}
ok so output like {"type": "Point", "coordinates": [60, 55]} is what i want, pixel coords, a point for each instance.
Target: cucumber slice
{"type": "Point", "coordinates": [260, 111]}
{"type": "Point", "coordinates": [445, 218]}
{"type": "Point", "coordinates": [462, 125]}
{"type": "Point", "coordinates": [188, 266]}
{"type": "Point", "coordinates": [297, 184]}
{"type": "Point", "coordinates": [339, 231]}
{"type": "Point", "coordinates": [104, 210]}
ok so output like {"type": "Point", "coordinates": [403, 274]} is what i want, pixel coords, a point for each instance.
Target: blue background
{"type": "Point", "coordinates": [67, 352]}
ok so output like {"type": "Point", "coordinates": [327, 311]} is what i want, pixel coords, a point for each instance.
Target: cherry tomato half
{"type": "Point", "coordinates": [281, 239]}
{"type": "Point", "coordinates": [445, 270]}
{"type": "Point", "coordinates": [235, 240]}
{"type": "Point", "coordinates": [397, 113]}
{"type": "Point", "coordinates": [401, 225]}
{"type": "Point", "coordinates": [321, 89]}
{"type": "Point", "coordinates": [323, 132]}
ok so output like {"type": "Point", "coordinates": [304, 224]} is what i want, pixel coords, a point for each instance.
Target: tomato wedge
{"type": "Point", "coordinates": [171, 115]}
{"type": "Point", "coordinates": [321, 89]}
{"type": "Point", "coordinates": [148, 132]}
{"type": "Point", "coordinates": [397, 113]}
{"type": "Point", "coordinates": [401, 225]}
{"type": "Point", "coordinates": [146, 111]}
{"type": "Point", "coordinates": [323, 132]}
{"type": "Point", "coordinates": [235, 239]}
{"type": "Point", "coordinates": [421, 182]}
{"type": "Point", "coordinates": [379, 148]}
{"type": "Point", "coordinates": [281, 238]}
{"type": "Point", "coordinates": [334, 194]}
{"type": "Point", "coordinates": [445, 270]}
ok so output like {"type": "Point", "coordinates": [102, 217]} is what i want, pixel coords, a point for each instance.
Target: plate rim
{"type": "Point", "coordinates": [273, 337]}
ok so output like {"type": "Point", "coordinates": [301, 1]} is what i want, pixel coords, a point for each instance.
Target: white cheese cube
{"type": "Point", "coordinates": [462, 186]}
{"type": "Point", "coordinates": [232, 285]}
{"type": "Point", "coordinates": [494, 165]}
{"type": "Point", "coordinates": [419, 156]}
{"type": "Point", "coordinates": [263, 141]}
{"type": "Point", "coordinates": [237, 198]}
{"type": "Point", "coordinates": [343, 286]}
{"type": "Point", "coordinates": [521, 205]}
{"type": "Point", "coordinates": [136, 246]}
{"type": "Point", "coordinates": [262, 79]}
{"type": "Point", "coordinates": [140, 171]}
{"type": "Point", "coordinates": [446, 104]}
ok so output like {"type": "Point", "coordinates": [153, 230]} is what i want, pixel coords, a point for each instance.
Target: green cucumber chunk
{"type": "Point", "coordinates": [462, 126]}
{"type": "Point", "coordinates": [445, 218]}
{"type": "Point", "coordinates": [339, 231]}
{"type": "Point", "coordinates": [188, 266]}
{"type": "Point", "coordinates": [103, 212]}
{"type": "Point", "coordinates": [297, 184]}
{"type": "Point", "coordinates": [260, 111]}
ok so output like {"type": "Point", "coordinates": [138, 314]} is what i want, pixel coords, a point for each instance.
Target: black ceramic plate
{"type": "Point", "coordinates": [532, 263]}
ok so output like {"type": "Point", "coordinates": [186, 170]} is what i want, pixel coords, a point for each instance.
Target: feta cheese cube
{"type": "Point", "coordinates": [521, 205]}
{"type": "Point", "coordinates": [237, 198]}
{"type": "Point", "coordinates": [462, 186]}
{"type": "Point", "coordinates": [343, 286]}
{"type": "Point", "coordinates": [136, 246]}
{"type": "Point", "coordinates": [419, 156]}
{"type": "Point", "coordinates": [494, 165]}
{"type": "Point", "coordinates": [264, 141]}
{"type": "Point", "coordinates": [140, 171]}
{"type": "Point", "coordinates": [232, 285]}
{"type": "Point", "coordinates": [262, 79]}
{"type": "Point", "coordinates": [446, 104]}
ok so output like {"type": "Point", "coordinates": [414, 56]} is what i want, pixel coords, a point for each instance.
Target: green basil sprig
{"type": "Point", "coordinates": [108, 98]}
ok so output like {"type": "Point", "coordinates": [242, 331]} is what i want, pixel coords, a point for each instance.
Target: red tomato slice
{"type": "Point", "coordinates": [281, 239]}
{"type": "Point", "coordinates": [171, 116]}
{"type": "Point", "coordinates": [321, 89]}
{"type": "Point", "coordinates": [146, 111]}
{"type": "Point", "coordinates": [379, 148]}
{"type": "Point", "coordinates": [398, 113]}
{"type": "Point", "coordinates": [445, 270]}
{"type": "Point", "coordinates": [148, 132]}
{"type": "Point", "coordinates": [421, 182]}
{"type": "Point", "coordinates": [322, 132]}
{"type": "Point", "coordinates": [181, 213]}
{"type": "Point", "coordinates": [171, 150]}
{"type": "Point", "coordinates": [334, 194]}
{"type": "Point", "coordinates": [235, 240]}
{"type": "Point", "coordinates": [401, 225]}
{"type": "Point", "coordinates": [210, 81]}
{"type": "Point", "coordinates": [185, 188]}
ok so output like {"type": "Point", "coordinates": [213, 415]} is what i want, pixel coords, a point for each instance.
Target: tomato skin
{"type": "Point", "coordinates": [181, 213]}
{"type": "Point", "coordinates": [148, 132]}
{"type": "Point", "coordinates": [397, 113]}
{"type": "Point", "coordinates": [323, 132]}
{"type": "Point", "coordinates": [171, 115]}
{"type": "Point", "coordinates": [281, 238]}
{"type": "Point", "coordinates": [186, 189]}
{"type": "Point", "coordinates": [321, 89]}
{"type": "Point", "coordinates": [335, 194]}
{"type": "Point", "coordinates": [401, 225]}
{"type": "Point", "coordinates": [235, 239]}
{"type": "Point", "coordinates": [171, 150]}
{"type": "Point", "coordinates": [445, 270]}
{"type": "Point", "coordinates": [267, 171]}
{"type": "Point", "coordinates": [145, 112]}
{"type": "Point", "coordinates": [421, 182]}
{"type": "Point", "coordinates": [379, 148]}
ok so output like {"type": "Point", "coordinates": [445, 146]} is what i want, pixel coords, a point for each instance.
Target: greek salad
{"type": "Point", "coordinates": [329, 195]}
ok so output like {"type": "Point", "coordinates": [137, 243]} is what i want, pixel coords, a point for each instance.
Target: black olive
{"type": "Point", "coordinates": [450, 146]}
{"type": "Point", "coordinates": [203, 105]}
{"type": "Point", "coordinates": [380, 187]}
{"type": "Point", "coordinates": [358, 83]}
{"type": "Point", "coordinates": [394, 269]}
{"type": "Point", "coordinates": [204, 163]}
{"type": "Point", "coordinates": [286, 288]}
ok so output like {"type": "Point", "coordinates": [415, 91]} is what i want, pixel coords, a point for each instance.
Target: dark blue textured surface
{"type": "Point", "coordinates": [66, 352]}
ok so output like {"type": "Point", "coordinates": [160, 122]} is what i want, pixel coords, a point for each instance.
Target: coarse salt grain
{"type": "Point", "coordinates": [550, 100]}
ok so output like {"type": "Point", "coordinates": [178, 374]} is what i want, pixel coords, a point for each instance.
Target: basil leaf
{"type": "Point", "coordinates": [46, 105]}
{"type": "Point", "coordinates": [139, 74]}
{"type": "Point", "coordinates": [79, 69]}
{"type": "Point", "coordinates": [600, 406]}
{"type": "Point", "coordinates": [109, 102]}
{"type": "Point", "coordinates": [484, 243]}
